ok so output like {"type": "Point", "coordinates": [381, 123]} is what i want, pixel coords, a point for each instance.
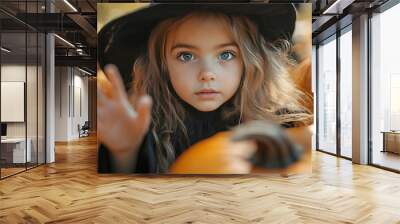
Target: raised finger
{"type": "Point", "coordinates": [115, 80]}
{"type": "Point", "coordinates": [101, 98]}
{"type": "Point", "coordinates": [144, 111]}
{"type": "Point", "coordinates": [100, 131]}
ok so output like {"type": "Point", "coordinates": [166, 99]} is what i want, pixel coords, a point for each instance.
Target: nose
{"type": "Point", "coordinates": [207, 72]}
{"type": "Point", "coordinates": [207, 76]}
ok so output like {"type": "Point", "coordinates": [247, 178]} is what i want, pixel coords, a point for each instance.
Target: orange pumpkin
{"type": "Point", "coordinates": [233, 152]}
{"type": "Point", "coordinates": [215, 155]}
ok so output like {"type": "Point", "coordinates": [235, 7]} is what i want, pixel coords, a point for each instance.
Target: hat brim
{"type": "Point", "coordinates": [122, 40]}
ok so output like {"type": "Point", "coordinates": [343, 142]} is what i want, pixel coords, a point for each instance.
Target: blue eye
{"type": "Point", "coordinates": [226, 56]}
{"type": "Point", "coordinates": [184, 56]}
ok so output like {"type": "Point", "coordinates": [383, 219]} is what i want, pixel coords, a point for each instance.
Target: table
{"type": "Point", "coordinates": [391, 141]}
{"type": "Point", "coordinates": [16, 147]}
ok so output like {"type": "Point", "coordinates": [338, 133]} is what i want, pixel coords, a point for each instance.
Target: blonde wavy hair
{"type": "Point", "coordinates": [265, 90]}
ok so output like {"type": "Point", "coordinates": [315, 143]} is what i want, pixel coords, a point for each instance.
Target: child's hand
{"type": "Point", "coordinates": [120, 126]}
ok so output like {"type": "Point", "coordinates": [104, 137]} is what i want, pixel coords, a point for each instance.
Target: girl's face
{"type": "Point", "coordinates": [204, 63]}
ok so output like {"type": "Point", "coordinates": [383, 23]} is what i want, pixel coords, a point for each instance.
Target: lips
{"type": "Point", "coordinates": [207, 94]}
{"type": "Point", "coordinates": [207, 91]}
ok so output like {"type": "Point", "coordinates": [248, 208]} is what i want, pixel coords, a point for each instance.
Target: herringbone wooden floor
{"type": "Point", "coordinates": [70, 191]}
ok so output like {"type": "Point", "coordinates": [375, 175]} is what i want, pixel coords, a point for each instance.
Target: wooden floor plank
{"type": "Point", "coordinates": [71, 191]}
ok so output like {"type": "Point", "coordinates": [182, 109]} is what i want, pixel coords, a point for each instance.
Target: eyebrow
{"type": "Point", "coordinates": [183, 45]}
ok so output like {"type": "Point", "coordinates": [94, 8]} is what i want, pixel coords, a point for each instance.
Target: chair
{"type": "Point", "coordinates": [84, 130]}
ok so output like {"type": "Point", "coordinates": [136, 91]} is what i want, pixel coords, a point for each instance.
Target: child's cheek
{"type": "Point", "coordinates": [181, 80]}
{"type": "Point", "coordinates": [233, 68]}
{"type": "Point", "coordinates": [185, 72]}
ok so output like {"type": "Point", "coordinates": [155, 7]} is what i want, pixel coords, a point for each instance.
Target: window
{"type": "Point", "coordinates": [346, 75]}
{"type": "Point", "coordinates": [385, 88]}
{"type": "Point", "coordinates": [327, 96]}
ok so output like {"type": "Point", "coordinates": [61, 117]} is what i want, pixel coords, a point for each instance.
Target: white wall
{"type": "Point", "coordinates": [61, 103]}
{"type": "Point", "coordinates": [71, 94]}
{"type": "Point", "coordinates": [80, 110]}
{"type": "Point", "coordinates": [13, 101]}
{"type": "Point", "coordinates": [13, 73]}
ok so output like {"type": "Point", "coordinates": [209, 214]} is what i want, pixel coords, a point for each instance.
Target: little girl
{"type": "Point", "coordinates": [191, 70]}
